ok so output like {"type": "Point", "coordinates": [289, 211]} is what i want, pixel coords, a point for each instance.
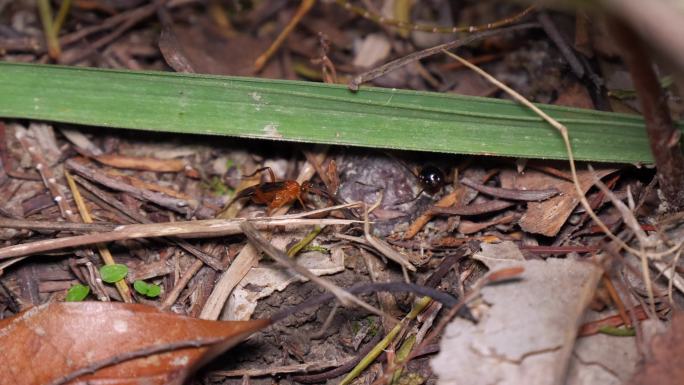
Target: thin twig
{"type": "Point", "coordinates": [382, 20]}
{"type": "Point", "coordinates": [274, 370]}
{"type": "Point", "coordinates": [398, 63]}
{"type": "Point", "coordinates": [108, 201]}
{"type": "Point", "coordinates": [189, 229]}
{"type": "Point", "coordinates": [279, 256]}
{"type": "Point", "coordinates": [516, 195]}
{"type": "Point", "coordinates": [474, 209]}
{"type": "Point", "coordinates": [55, 226]}
{"type": "Point", "coordinates": [384, 248]}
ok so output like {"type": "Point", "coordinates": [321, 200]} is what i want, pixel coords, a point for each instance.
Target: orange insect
{"type": "Point", "coordinates": [275, 194]}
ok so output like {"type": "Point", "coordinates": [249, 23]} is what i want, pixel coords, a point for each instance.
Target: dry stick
{"type": "Point", "coordinates": [181, 206]}
{"type": "Point", "coordinates": [169, 44]}
{"type": "Point", "coordinates": [302, 10]}
{"type": "Point", "coordinates": [615, 296]}
{"type": "Point", "coordinates": [279, 256]}
{"type": "Point", "coordinates": [107, 257]}
{"type": "Point", "coordinates": [80, 54]}
{"type": "Point", "coordinates": [554, 34]}
{"type": "Point", "coordinates": [344, 368]}
{"type": "Point", "coordinates": [189, 229]}
{"type": "Point", "coordinates": [398, 63]}
{"type": "Point", "coordinates": [571, 159]}
{"type": "Point", "coordinates": [446, 201]}
{"type": "Point", "coordinates": [631, 222]}
{"type": "Point", "coordinates": [95, 281]}
{"type": "Point", "coordinates": [432, 28]}
{"type": "Point", "coordinates": [50, 183]}
{"type": "Point", "coordinates": [55, 226]}
{"type": "Point", "coordinates": [474, 209]}
{"type": "Point", "coordinates": [313, 366]}
{"type": "Point", "coordinates": [311, 158]}
{"type": "Point", "coordinates": [383, 247]}
{"type": "Point", "coordinates": [663, 136]}
{"type": "Point", "coordinates": [512, 194]}
{"type": "Point", "coordinates": [111, 22]}
{"type": "Point", "coordinates": [46, 173]}
{"type": "Point", "coordinates": [172, 296]}
{"type": "Point", "coordinates": [107, 199]}
{"type": "Point", "coordinates": [671, 273]}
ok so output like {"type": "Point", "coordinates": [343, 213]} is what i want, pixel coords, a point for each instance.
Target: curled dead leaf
{"type": "Point", "coordinates": [112, 343]}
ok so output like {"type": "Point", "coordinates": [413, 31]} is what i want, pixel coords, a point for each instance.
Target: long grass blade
{"type": "Point", "coordinates": [312, 113]}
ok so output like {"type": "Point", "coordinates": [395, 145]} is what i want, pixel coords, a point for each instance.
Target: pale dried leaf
{"type": "Point", "coordinates": [268, 279]}
{"type": "Point", "coordinates": [527, 330]}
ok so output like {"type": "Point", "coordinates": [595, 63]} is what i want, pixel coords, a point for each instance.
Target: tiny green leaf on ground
{"type": "Point", "coordinates": [113, 273]}
{"type": "Point", "coordinates": [147, 289]}
{"type": "Point", "coordinates": [313, 113]}
{"type": "Point", "coordinates": [77, 293]}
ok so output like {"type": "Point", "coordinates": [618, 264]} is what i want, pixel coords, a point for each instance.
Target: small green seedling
{"type": "Point", "coordinates": [147, 289]}
{"type": "Point", "coordinates": [77, 293]}
{"type": "Point", "coordinates": [113, 273]}
{"type": "Point", "coordinates": [217, 187]}
{"type": "Point", "coordinates": [617, 331]}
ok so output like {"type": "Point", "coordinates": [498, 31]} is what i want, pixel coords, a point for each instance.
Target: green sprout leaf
{"type": "Point", "coordinates": [617, 331]}
{"type": "Point", "coordinates": [77, 293]}
{"type": "Point", "coordinates": [153, 291]}
{"type": "Point", "coordinates": [113, 273]}
{"type": "Point", "coordinates": [147, 289]}
{"type": "Point", "coordinates": [141, 287]}
{"type": "Point", "coordinates": [216, 186]}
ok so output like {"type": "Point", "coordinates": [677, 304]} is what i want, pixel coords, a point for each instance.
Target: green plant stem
{"type": "Point", "coordinates": [401, 356]}
{"type": "Point", "coordinates": [51, 40]}
{"type": "Point", "coordinates": [380, 347]}
{"type": "Point", "coordinates": [61, 16]}
{"type": "Point", "coordinates": [299, 246]}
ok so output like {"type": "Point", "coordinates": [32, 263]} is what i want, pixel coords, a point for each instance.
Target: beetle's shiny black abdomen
{"type": "Point", "coordinates": [432, 179]}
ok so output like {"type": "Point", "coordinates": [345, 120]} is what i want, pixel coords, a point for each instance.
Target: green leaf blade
{"type": "Point", "coordinates": [77, 293]}
{"type": "Point", "coordinates": [147, 289]}
{"type": "Point", "coordinates": [113, 273]}
{"type": "Point", "coordinates": [312, 113]}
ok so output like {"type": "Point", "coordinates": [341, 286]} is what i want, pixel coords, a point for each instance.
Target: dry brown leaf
{"type": "Point", "coordinates": [210, 52]}
{"type": "Point", "coordinates": [111, 343]}
{"type": "Point", "coordinates": [142, 163]}
{"type": "Point", "coordinates": [666, 366]}
{"type": "Point", "coordinates": [145, 185]}
{"type": "Point", "coordinates": [548, 217]}
{"type": "Point", "coordinates": [575, 95]}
